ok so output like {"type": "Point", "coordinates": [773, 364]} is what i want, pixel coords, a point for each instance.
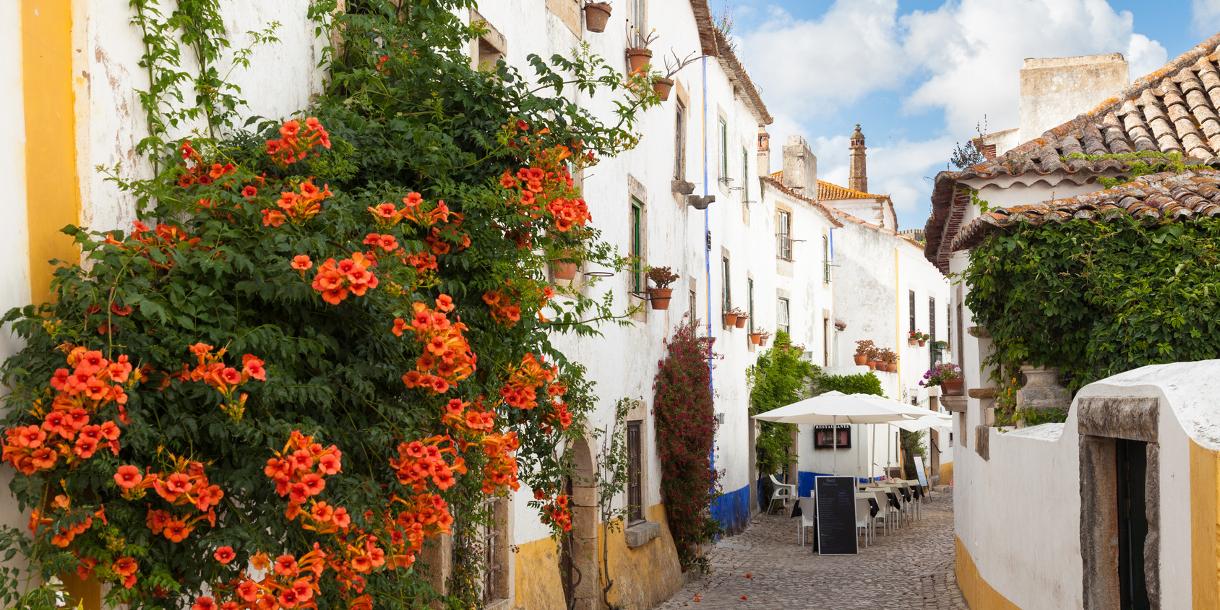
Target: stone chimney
{"type": "Point", "coordinates": [1057, 89]}
{"type": "Point", "coordinates": [857, 179]}
{"type": "Point", "coordinates": [800, 167]}
{"type": "Point", "coordinates": [764, 152]}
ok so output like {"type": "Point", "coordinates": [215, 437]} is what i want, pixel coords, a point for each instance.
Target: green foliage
{"type": "Point", "coordinates": [779, 377]}
{"type": "Point", "coordinates": [859, 383]}
{"type": "Point", "coordinates": [686, 431]}
{"type": "Point", "coordinates": [1093, 299]}
{"type": "Point", "coordinates": [1141, 163]}
{"type": "Point", "coordinates": [912, 445]}
{"type": "Point", "coordinates": [406, 114]}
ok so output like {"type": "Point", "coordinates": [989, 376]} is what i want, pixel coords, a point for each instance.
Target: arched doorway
{"type": "Point", "coordinates": [578, 558]}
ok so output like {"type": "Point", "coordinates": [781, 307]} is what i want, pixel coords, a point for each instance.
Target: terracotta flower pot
{"type": "Point", "coordinates": [596, 16]}
{"type": "Point", "coordinates": [662, 86]}
{"type": "Point", "coordinates": [876, 365]}
{"type": "Point", "coordinates": [922, 342]}
{"type": "Point", "coordinates": [861, 359]}
{"type": "Point", "coordinates": [756, 338]}
{"type": "Point", "coordinates": [952, 387]}
{"type": "Point", "coordinates": [659, 297]}
{"type": "Point", "coordinates": [911, 341]}
{"type": "Point", "coordinates": [730, 319]}
{"type": "Point", "coordinates": [638, 58]}
{"type": "Point", "coordinates": [741, 321]}
{"type": "Point", "coordinates": [563, 270]}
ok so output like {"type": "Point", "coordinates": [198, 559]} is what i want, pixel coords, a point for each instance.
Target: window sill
{"type": "Point", "coordinates": [641, 533]}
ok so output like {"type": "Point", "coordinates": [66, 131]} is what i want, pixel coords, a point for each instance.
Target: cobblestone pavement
{"type": "Point", "coordinates": [764, 567]}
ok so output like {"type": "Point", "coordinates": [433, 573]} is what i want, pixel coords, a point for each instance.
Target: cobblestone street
{"type": "Point", "coordinates": [765, 568]}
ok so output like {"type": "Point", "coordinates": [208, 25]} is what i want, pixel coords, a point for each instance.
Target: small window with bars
{"type": "Point", "coordinates": [783, 235]}
{"type": "Point", "coordinates": [635, 473]}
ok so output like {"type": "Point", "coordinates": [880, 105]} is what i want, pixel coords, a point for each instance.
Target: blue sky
{"type": "Point", "coordinates": [920, 74]}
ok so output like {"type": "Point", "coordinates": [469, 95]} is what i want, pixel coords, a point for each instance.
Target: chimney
{"type": "Point", "coordinates": [764, 152]}
{"type": "Point", "coordinates": [857, 179]}
{"type": "Point", "coordinates": [1055, 90]}
{"type": "Point", "coordinates": [800, 167]}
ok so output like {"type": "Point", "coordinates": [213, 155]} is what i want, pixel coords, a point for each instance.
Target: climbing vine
{"type": "Point", "coordinates": [1095, 298]}
{"type": "Point", "coordinates": [328, 337]}
{"type": "Point", "coordinates": [779, 377]}
{"type": "Point", "coordinates": [686, 429]}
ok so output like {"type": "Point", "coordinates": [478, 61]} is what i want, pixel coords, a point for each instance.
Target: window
{"type": "Point", "coordinates": [680, 142]}
{"type": "Point", "coordinates": [727, 300]}
{"type": "Point", "coordinates": [826, 259]}
{"type": "Point", "coordinates": [495, 552]}
{"type": "Point", "coordinates": [745, 175]}
{"type": "Point", "coordinates": [933, 354]}
{"type": "Point", "coordinates": [724, 151]}
{"type": "Point", "coordinates": [784, 235]}
{"type": "Point", "coordinates": [750, 302]}
{"type": "Point", "coordinates": [490, 47]}
{"type": "Point", "coordinates": [639, 15]}
{"type": "Point", "coordinates": [635, 474]}
{"type": "Point", "coordinates": [781, 316]}
{"type": "Point", "coordinates": [637, 245]}
{"type": "Point", "coordinates": [694, 306]}
{"type": "Point", "coordinates": [911, 309]}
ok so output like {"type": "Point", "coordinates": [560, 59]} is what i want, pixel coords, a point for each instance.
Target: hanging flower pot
{"type": "Point", "coordinates": [875, 365]}
{"type": "Point", "coordinates": [659, 297]}
{"type": "Point", "coordinates": [662, 86]}
{"type": "Point", "coordinates": [638, 58]}
{"type": "Point", "coordinates": [563, 270]}
{"type": "Point", "coordinates": [596, 16]}
{"type": "Point", "coordinates": [730, 319]}
{"type": "Point", "coordinates": [756, 338]}
{"type": "Point", "coordinates": [923, 342]}
{"type": "Point", "coordinates": [741, 320]}
{"type": "Point", "coordinates": [861, 359]}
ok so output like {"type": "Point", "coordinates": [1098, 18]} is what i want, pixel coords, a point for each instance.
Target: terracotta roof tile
{"type": "Point", "coordinates": [1152, 199]}
{"type": "Point", "coordinates": [1174, 109]}
{"type": "Point", "coordinates": [829, 191]}
{"type": "Point", "coordinates": [775, 181]}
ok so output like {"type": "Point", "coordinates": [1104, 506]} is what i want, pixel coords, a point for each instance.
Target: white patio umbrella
{"type": "Point", "coordinates": [911, 412]}
{"type": "Point", "coordinates": [831, 408]}
{"type": "Point", "coordinates": [931, 420]}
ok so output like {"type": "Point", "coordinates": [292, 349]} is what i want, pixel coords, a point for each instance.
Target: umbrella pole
{"type": "Point", "coordinates": [889, 444]}
{"type": "Point", "coordinates": [834, 444]}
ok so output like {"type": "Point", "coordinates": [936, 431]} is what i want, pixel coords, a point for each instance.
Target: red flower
{"type": "Point", "coordinates": [249, 192]}
{"type": "Point", "coordinates": [128, 476]}
{"type": "Point", "coordinates": [224, 555]}
{"type": "Point", "coordinates": [204, 603]}
{"type": "Point", "coordinates": [301, 262]}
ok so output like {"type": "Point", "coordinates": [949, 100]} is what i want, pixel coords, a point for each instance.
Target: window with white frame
{"type": "Point", "coordinates": [781, 315]}
{"type": "Point", "coordinates": [783, 234]}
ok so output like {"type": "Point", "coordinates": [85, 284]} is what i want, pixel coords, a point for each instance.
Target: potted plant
{"type": "Point", "coordinates": [564, 266]}
{"type": "Point", "coordinates": [923, 338]}
{"type": "Point", "coordinates": [947, 376]}
{"type": "Point", "coordinates": [660, 293]}
{"type": "Point", "coordinates": [596, 16]}
{"type": "Point", "coordinates": [863, 347]}
{"type": "Point", "coordinates": [874, 358]}
{"type": "Point", "coordinates": [663, 84]}
{"type": "Point", "coordinates": [742, 318]}
{"type": "Point", "coordinates": [757, 336]}
{"type": "Point", "coordinates": [765, 336]}
{"type": "Point", "coordinates": [889, 360]}
{"type": "Point", "coordinates": [940, 345]}
{"type": "Point", "coordinates": [638, 54]}
{"type": "Point", "coordinates": [912, 337]}
{"type": "Point", "coordinates": [730, 317]}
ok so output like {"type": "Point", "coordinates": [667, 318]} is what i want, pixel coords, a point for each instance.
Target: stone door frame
{"type": "Point", "coordinates": [1101, 421]}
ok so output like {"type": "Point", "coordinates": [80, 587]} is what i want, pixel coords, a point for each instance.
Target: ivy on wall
{"type": "Point", "coordinates": [1093, 299]}
{"type": "Point", "coordinates": [779, 377]}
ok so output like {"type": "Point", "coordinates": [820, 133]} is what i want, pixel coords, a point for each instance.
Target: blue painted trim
{"type": "Point", "coordinates": [732, 510]}
{"type": "Point", "coordinates": [804, 481]}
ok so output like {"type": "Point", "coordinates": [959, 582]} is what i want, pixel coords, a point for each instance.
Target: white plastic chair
{"type": "Point", "coordinates": [883, 515]}
{"type": "Point", "coordinates": [808, 511]}
{"type": "Point", "coordinates": [862, 519]}
{"type": "Point", "coordinates": [782, 492]}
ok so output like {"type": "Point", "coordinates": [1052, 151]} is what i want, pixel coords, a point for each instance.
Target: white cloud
{"type": "Point", "coordinates": [1205, 16]}
{"type": "Point", "coordinates": [814, 67]}
{"type": "Point", "coordinates": [901, 169]}
{"type": "Point", "coordinates": [971, 51]}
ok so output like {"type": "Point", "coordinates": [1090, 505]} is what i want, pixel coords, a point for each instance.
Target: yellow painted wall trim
{"type": "Point", "coordinates": [977, 592]}
{"type": "Point", "coordinates": [52, 183]}
{"type": "Point", "coordinates": [1204, 527]}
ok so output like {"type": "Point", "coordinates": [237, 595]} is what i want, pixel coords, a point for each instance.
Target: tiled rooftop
{"type": "Point", "coordinates": [1174, 109]}
{"type": "Point", "coordinates": [1152, 199]}
{"type": "Point", "coordinates": [831, 191]}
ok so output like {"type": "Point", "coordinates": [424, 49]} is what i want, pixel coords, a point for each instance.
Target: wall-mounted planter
{"type": "Point", "coordinates": [662, 86]}
{"type": "Point", "coordinates": [730, 320]}
{"type": "Point", "coordinates": [861, 359]}
{"type": "Point", "coordinates": [756, 338]}
{"type": "Point", "coordinates": [638, 58]}
{"type": "Point", "coordinates": [596, 16]}
{"type": "Point", "coordinates": [659, 298]}
{"type": "Point", "coordinates": [952, 387]}
{"type": "Point", "coordinates": [741, 320]}
{"type": "Point", "coordinates": [562, 270]}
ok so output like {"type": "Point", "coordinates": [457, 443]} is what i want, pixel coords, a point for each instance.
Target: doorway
{"type": "Point", "coordinates": [1131, 464]}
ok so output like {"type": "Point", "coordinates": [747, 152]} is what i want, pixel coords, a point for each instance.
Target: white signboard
{"type": "Point", "coordinates": [919, 473]}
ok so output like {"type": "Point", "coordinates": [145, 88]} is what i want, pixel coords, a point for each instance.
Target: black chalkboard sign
{"type": "Point", "coordinates": [836, 500]}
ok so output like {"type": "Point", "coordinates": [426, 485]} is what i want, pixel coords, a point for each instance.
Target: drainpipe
{"type": "Point", "coordinates": [707, 252]}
